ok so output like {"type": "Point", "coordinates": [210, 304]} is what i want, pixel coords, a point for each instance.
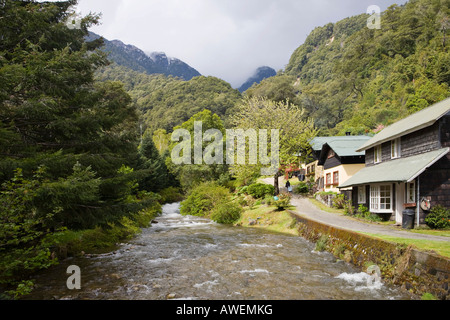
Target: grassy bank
{"type": "Point", "coordinates": [71, 243]}
{"type": "Point", "coordinates": [268, 218]}
{"type": "Point", "coordinates": [440, 247]}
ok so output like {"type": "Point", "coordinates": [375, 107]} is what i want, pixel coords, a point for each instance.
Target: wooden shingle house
{"type": "Point", "coordinates": [407, 166]}
{"type": "Point", "coordinates": [334, 160]}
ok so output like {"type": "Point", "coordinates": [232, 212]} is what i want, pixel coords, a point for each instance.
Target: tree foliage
{"type": "Point", "coordinates": [193, 174]}
{"type": "Point", "coordinates": [68, 144]}
{"type": "Point", "coordinates": [167, 102]}
{"type": "Point", "coordinates": [352, 79]}
{"type": "Point", "coordinates": [295, 129]}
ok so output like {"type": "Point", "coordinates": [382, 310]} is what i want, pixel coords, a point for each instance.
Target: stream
{"type": "Point", "coordinates": [192, 258]}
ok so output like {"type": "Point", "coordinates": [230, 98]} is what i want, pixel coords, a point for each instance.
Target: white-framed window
{"type": "Point", "coordinates": [396, 149]}
{"type": "Point", "coordinates": [381, 198]}
{"type": "Point", "coordinates": [377, 154]}
{"type": "Point", "coordinates": [362, 195]}
{"type": "Point", "coordinates": [411, 192]}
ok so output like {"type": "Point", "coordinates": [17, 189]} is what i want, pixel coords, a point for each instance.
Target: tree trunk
{"type": "Point", "coordinates": [276, 183]}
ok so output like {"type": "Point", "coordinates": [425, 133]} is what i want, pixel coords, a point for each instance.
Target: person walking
{"type": "Point", "coordinates": [288, 187]}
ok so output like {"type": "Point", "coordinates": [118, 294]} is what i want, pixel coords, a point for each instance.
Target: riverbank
{"type": "Point", "coordinates": [268, 218]}
{"type": "Point", "coordinates": [417, 271]}
{"type": "Point", "coordinates": [103, 240]}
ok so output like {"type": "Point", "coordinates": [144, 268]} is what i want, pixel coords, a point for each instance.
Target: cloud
{"type": "Point", "coordinates": [224, 38]}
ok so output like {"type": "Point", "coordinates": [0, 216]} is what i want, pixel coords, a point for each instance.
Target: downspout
{"type": "Point", "coordinates": [418, 201]}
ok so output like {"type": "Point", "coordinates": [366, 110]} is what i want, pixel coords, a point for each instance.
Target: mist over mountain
{"type": "Point", "coordinates": [154, 63]}
{"type": "Point", "coordinates": [260, 74]}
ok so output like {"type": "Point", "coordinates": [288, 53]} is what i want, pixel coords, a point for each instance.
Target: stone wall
{"type": "Point", "coordinates": [415, 271]}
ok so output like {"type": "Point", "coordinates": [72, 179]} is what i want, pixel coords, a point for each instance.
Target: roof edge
{"type": "Point", "coordinates": [404, 133]}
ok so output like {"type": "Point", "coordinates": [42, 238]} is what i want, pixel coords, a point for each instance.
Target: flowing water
{"type": "Point", "coordinates": [194, 258]}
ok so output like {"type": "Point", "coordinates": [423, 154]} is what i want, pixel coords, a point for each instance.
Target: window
{"type": "Point", "coordinates": [381, 198]}
{"type": "Point", "coordinates": [362, 194]}
{"type": "Point", "coordinates": [377, 155]}
{"type": "Point", "coordinates": [411, 192]}
{"type": "Point", "coordinates": [328, 179]}
{"type": "Point", "coordinates": [395, 149]}
{"type": "Point", "coordinates": [336, 178]}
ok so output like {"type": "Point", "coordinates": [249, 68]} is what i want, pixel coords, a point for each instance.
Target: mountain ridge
{"type": "Point", "coordinates": [132, 57]}
{"type": "Point", "coordinates": [259, 75]}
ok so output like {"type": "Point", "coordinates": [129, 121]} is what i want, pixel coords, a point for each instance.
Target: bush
{"type": "Point", "coordinates": [212, 201]}
{"type": "Point", "coordinates": [226, 213]}
{"type": "Point", "coordinates": [364, 213]}
{"type": "Point", "coordinates": [170, 195]}
{"type": "Point", "coordinates": [260, 190]}
{"type": "Point", "coordinates": [302, 188]}
{"type": "Point", "coordinates": [339, 202]}
{"type": "Point", "coordinates": [321, 244]}
{"type": "Point", "coordinates": [439, 218]}
{"type": "Point", "coordinates": [284, 201]}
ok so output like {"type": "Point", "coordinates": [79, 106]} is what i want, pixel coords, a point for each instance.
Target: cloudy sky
{"type": "Point", "coordinates": [228, 39]}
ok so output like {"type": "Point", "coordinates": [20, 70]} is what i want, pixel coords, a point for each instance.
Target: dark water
{"type": "Point", "coordinates": [193, 258]}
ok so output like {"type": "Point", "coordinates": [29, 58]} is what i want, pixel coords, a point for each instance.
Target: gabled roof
{"type": "Point", "coordinates": [419, 120]}
{"type": "Point", "coordinates": [318, 142]}
{"type": "Point", "coordinates": [400, 170]}
{"type": "Point", "coordinates": [343, 146]}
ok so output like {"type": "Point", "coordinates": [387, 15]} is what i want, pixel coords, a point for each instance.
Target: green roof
{"type": "Point", "coordinates": [340, 142]}
{"type": "Point", "coordinates": [400, 170]}
{"type": "Point", "coordinates": [347, 147]}
{"type": "Point", "coordinates": [419, 120]}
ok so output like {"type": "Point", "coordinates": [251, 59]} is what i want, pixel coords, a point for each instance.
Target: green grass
{"type": "Point", "coordinates": [269, 219]}
{"type": "Point", "coordinates": [325, 208]}
{"type": "Point", "coordinates": [441, 233]}
{"type": "Point", "coordinates": [440, 247]}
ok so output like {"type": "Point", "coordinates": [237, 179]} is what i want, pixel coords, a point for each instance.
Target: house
{"type": "Point", "coordinates": [407, 166]}
{"type": "Point", "coordinates": [342, 162]}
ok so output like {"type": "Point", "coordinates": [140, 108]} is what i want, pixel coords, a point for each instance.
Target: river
{"type": "Point", "coordinates": [194, 258]}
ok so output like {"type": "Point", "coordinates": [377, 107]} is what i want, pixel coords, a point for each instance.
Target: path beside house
{"type": "Point", "coordinates": [305, 208]}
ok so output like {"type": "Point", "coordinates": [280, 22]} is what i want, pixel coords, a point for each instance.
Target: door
{"type": "Point", "coordinates": [399, 202]}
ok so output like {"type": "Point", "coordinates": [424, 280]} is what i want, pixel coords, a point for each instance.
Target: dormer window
{"type": "Point", "coordinates": [377, 154]}
{"type": "Point", "coordinates": [395, 149]}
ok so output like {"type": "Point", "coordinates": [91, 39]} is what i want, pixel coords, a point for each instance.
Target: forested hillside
{"type": "Point", "coordinates": [166, 102]}
{"type": "Point", "coordinates": [350, 78]}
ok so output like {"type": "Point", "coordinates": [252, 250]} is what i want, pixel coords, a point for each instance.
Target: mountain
{"type": "Point", "coordinates": [259, 75]}
{"type": "Point", "coordinates": [350, 78]}
{"type": "Point", "coordinates": [154, 63]}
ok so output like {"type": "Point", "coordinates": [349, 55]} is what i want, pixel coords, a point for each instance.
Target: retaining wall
{"type": "Point", "coordinates": [416, 271]}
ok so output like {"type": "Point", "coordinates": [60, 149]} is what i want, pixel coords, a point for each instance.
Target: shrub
{"type": "Point", "coordinates": [170, 195]}
{"type": "Point", "coordinates": [339, 202]}
{"type": "Point", "coordinates": [269, 200]}
{"type": "Point", "coordinates": [364, 213]}
{"type": "Point", "coordinates": [226, 213]}
{"type": "Point", "coordinates": [439, 218]}
{"type": "Point", "coordinates": [284, 201]}
{"type": "Point", "coordinates": [212, 201]}
{"type": "Point", "coordinates": [321, 244]}
{"type": "Point", "coordinates": [203, 198]}
{"type": "Point", "coordinates": [302, 188]}
{"type": "Point", "coordinates": [260, 190]}
{"type": "Point", "coordinates": [348, 208]}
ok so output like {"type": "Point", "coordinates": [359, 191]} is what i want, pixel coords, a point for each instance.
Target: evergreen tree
{"type": "Point", "coordinates": [54, 115]}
